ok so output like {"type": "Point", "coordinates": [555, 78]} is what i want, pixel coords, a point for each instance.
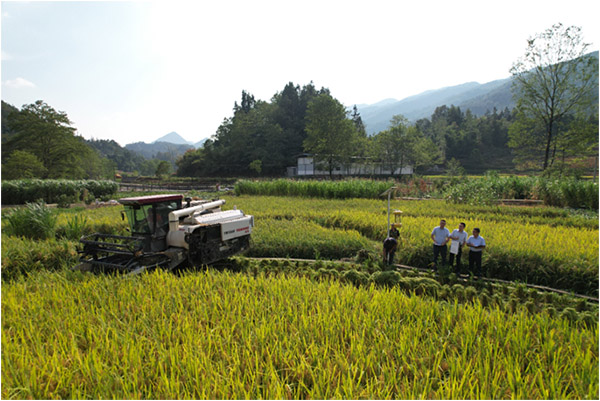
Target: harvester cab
{"type": "Point", "coordinates": [165, 233]}
{"type": "Point", "coordinates": [148, 217]}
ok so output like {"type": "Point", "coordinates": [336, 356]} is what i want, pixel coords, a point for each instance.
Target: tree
{"type": "Point", "coordinates": [453, 168]}
{"type": "Point", "coordinates": [8, 111]}
{"type": "Point", "coordinates": [46, 133]}
{"type": "Point", "coordinates": [552, 81]}
{"type": "Point", "coordinates": [163, 168]}
{"type": "Point", "coordinates": [290, 114]}
{"type": "Point", "coordinates": [331, 136]}
{"type": "Point", "coordinates": [21, 164]}
{"type": "Point", "coordinates": [248, 103]}
{"type": "Point", "coordinates": [402, 145]}
{"type": "Point", "coordinates": [256, 165]}
{"type": "Point", "coordinates": [358, 122]}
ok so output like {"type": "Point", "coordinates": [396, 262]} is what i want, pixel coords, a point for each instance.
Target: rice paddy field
{"type": "Point", "coordinates": [290, 329]}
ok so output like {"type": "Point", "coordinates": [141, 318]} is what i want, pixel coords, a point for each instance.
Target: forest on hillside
{"type": "Point", "coordinates": [40, 142]}
{"type": "Point", "coordinates": [264, 138]}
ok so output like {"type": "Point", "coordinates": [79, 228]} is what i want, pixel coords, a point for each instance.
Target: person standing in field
{"type": "Point", "coordinates": [476, 245]}
{"type": "Point", "coordinates": [389, 249]}
{"type": "Point", "coordinates": [460, 236]}
{"type": "Point", "coordinates": [440, 236]}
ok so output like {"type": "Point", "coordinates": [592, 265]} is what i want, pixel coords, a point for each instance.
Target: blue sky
{"type": "Point", "coordinates": [134, 71]}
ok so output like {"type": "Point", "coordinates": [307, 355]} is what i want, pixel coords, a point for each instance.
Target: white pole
{"type": "Point", "coordinates": [388, 225]}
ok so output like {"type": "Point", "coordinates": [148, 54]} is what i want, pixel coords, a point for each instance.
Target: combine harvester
{"type": "Point", "coordinates": [166, 234]}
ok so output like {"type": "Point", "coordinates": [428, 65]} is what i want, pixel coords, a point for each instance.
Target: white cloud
{"type": "Point", "coordinates": [18, 83]}
{"type": "Point", "coordinates": [6, 56]}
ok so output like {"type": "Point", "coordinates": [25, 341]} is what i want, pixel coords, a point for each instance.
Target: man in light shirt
{"type": "Point", "coordinates": [459, 235]}
{"type": "Point", "coordinates": [476, 243]}
{"type": "Point", "coordinates": [440, 236]}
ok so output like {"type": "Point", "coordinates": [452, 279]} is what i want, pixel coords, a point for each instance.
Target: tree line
{"type": "Point", "coordinates": [554, 126]}
{"type": "Point", "coordinates": [264, 138]}
{"type": "Point", "coordinates": [40, 142]}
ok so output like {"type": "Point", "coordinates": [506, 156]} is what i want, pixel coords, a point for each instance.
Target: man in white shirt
{"type": "Point", "coordinates": [459, 235]}
{"type": "Point", "coordinates": [440, 236]}
{"type": "Point", "coordinates": [476, 243]}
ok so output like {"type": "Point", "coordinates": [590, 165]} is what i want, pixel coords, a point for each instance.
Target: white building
{"type": "Point", "coordinates": [305, 167]}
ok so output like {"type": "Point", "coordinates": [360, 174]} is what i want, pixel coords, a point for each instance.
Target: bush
{"type": "Point", "coordinates": [76, 226]}
{"type": "Point", "coordinates": [18, 192]}
{"type": "Point", "coordinates": [64, 201]}
{"type": "Point", "coordinates": [554, 192]}
{"type": "Point", "coordinates": [35, 221]}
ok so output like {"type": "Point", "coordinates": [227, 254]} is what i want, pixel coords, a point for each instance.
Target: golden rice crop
{"type": "Point", "coordinates": [299, 238]}
{"type": "Point", "coordinates": [226, 336]}
{"type": "Point", "coordinates": [562, 253]}
{"type": "Point", "coordinates": [542, 245]}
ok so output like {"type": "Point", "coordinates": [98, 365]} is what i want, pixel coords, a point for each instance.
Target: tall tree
{"type": "Point", "coordinates": [248, 103]}
{"type": "Point", "coordinates": [48, 134]}
{"type": "Point", "coordinates": [553, 79]}
{"type": "Point", "coordinates": [290, 115]}
{"type": "Point", "coordinates": [402, 145]}
{"type": "Point", "coordinates": [358, 122]}
{"type": "Point", "coordinates": [331, 136]}
{"type": "Point", "coordinates": [21, 164]}
{"type": "Point", "coordinates": [8, 111]}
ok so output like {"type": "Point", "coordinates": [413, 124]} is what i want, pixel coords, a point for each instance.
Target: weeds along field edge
{"type": "Point", "coordinates": [222, 335]}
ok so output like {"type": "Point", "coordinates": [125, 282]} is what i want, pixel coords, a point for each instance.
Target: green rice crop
{"type": "Point", "coordinates": [219, 335]}
{"type": "Point", "coordinates": [474, 190]}
{"type": "Point", "coordinates": [352, 188]}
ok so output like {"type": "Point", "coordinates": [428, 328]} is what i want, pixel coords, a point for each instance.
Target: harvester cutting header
{"type": "Point", "coordinates": [166, 234]}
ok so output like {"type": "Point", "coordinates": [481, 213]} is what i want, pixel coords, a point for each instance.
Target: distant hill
{"type": "Point", "coordinates": [157, 150]}
{"type": "Point", "coordinates": [200, 144]}
{"type": "Point", "coordinates": [176, 139]}
{"type": "Point", "coordinates": [125, 160]}
{"type": "Point", "coordinates": [173, 137]}
{"type": "Point", "coordinates": [479, 98]}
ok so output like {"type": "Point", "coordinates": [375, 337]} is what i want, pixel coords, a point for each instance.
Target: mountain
{"type": "Point", "coordinates": [479, 98]}
{"type": "Point", "coordinates": [176, 139]}
{"type": "Point", "coordinates": [200, 143]}
{"type": "Point", "coordinates": [158, 150]}
{"type": "Point", "coordinates": [125, 160]}
{"type": "Point", "coordinates": [173, 137]}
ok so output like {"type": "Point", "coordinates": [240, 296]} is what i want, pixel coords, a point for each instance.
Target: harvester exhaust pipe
{"type": "Point", "coordinates": [175, 215]}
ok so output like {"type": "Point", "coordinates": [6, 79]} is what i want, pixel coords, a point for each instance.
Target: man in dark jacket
{"type": "Point", "coordinates": [389, 249]}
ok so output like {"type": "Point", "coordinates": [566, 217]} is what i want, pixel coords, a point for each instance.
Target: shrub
{"type": "Point", "coordinates": [18, 192]}
{"type": "Point", "coordinates": [64, 201]}
{"type": "Point", "coordinates": [76, 226]}
{"type": "Point", "coordinates": [35, 221]}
